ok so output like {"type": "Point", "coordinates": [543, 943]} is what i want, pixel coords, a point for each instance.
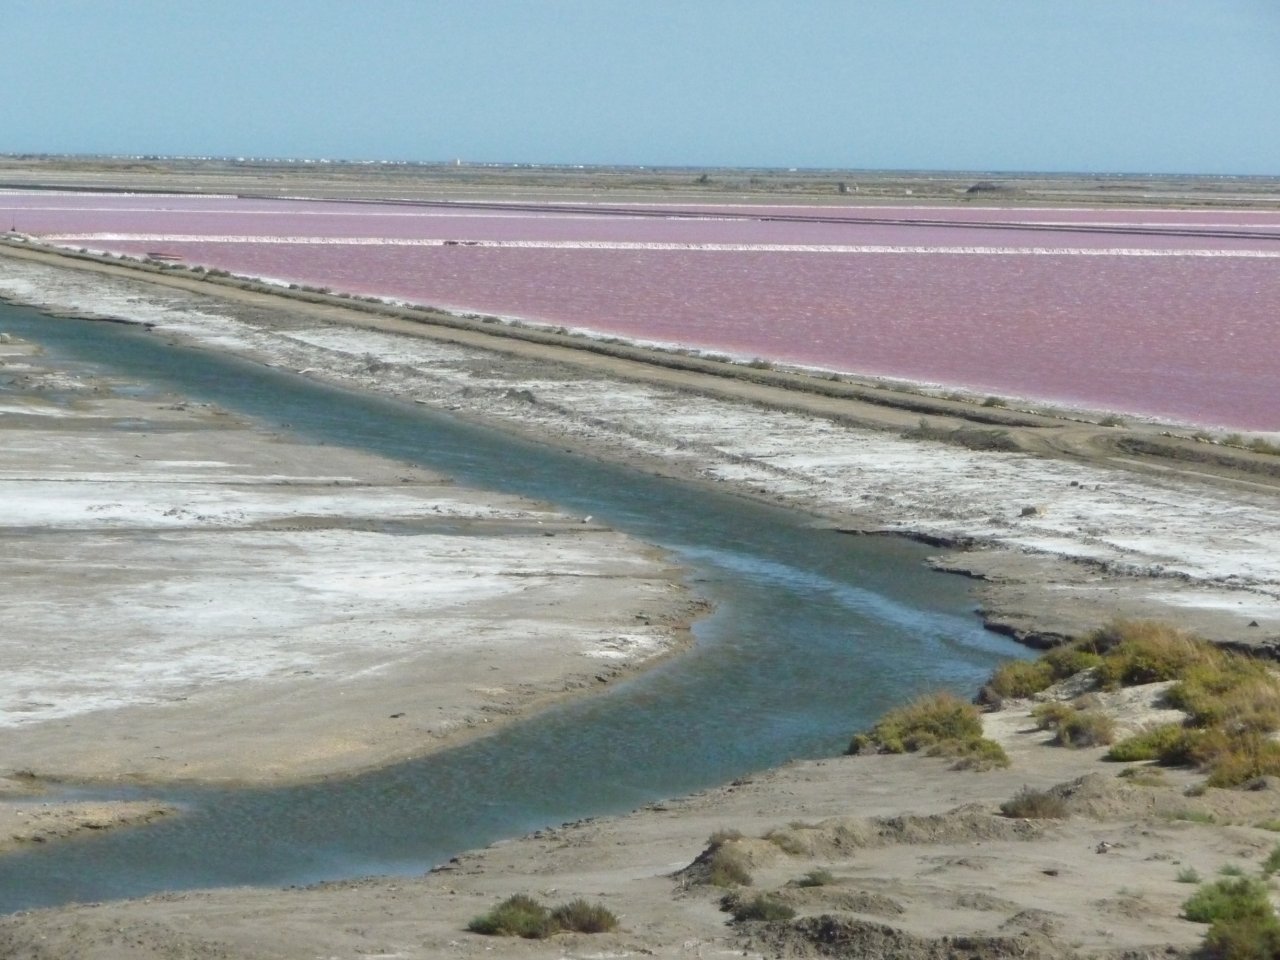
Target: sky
{"type": "Point", "coordinates": [1138, 86]}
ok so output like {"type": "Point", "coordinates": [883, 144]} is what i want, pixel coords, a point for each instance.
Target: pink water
{"type": "Point", "coordinates": [1162, 312]}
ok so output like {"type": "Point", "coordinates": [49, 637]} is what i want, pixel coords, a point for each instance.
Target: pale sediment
{"type": "Point", "coordinates": [1063, 544]}
{"type": "Point", "coordinates": [192, 598]}
{"type": "Point", "coordinates": [1066, 530]}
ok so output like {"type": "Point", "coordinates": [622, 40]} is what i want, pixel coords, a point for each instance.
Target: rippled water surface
{"type": "Point", "coordinates": [814, 634]}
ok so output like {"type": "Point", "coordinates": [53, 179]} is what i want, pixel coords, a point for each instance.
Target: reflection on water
{"type": "Point", "coordinates": [813, 634]}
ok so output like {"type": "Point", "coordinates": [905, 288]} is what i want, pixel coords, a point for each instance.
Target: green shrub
{"type": "Point", "coordinates": [1229, 899]}
{"type": "Point", "coordinates": [1086, 728]}
{"type": "Point", "coordinates": [522, 916]}
{"type": "Point", "coordinates": [931, 719]}
{"type": "Point", "coordinates": [1031, 804]}
{"type": "Point", "coordinates": [518, 916]}
{"type": "Point", "coordinates": [580, 916]}
{"type": "Point", "coordinates": [1188, 875]}
{"type": "Point", "coordinates": [1021, 678]}
{"type": "Point", "coordinates": [1067, 661]}
{"type": "Point", "coordinates": [1235, 758]}
{"type": "Point", "coordinates": [762, 906]}
{"type": "Point", "coordinates": [1229, 688]}
{"type": "Point", "coordinates": [978, 754]}
{"type": "Point", "coordinates": [1050, 716]}
{"type": "Point", "coordinates": [1168, 743]}
{"type": "Point", "coordinates": [1243, 938]}
{"type": "Point", "coordinates": [1231, 870]}
{"type": "Point", "coordinates": [1135, 652]}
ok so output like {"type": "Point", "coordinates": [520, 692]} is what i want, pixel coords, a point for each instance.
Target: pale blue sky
{"type": "Point", "coordinates": [1088, 85]}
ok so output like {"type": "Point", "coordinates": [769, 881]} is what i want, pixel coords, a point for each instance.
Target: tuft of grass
{"type": "Point", "coordinates": [928, 720]}
{"type": "Point", "coordinates": [517, 916]}
{"type": "Point", "coordinates": [1135, 652]}
{"type": "Point", "coordinates": [994, 401]}
{"type": "Point", "coordinates": [824, 878]}
{"type": "Point", "coordinates": [725, 865]}
{"type": "Point", "coordinates": [1227, 688]}
{"type": "Point", "coordinates": [1086, 728]}
{"type": "Point", "coordinates": [762, 906]}
{"type": "Point", "coordinates": [1272, 825]}
{"type": "Point", "coordinates": [579, 916]}
{"type": "Point", "coordinates": [1233, 757]}
{"type": "Point", "coordinates": [1231, 870]}
{"type": "Point", "coordinates": [979, 754]}
{"type": "Point", "coordinates": [1168, 743]}
{"type": "Point", "coordinates": [1051, 715]}
{"type": "Point", "coordinates": [1021, 678]}
{"type": "Point", "coordinates": [1188, 875]}
{"type": "Point", "coordinates": [523, 916]}
{"type": "Point", "coordinates": [1029, 804]}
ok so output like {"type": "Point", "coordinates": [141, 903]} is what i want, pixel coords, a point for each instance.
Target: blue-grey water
{"type": "Point", "coordinates": [814, 633]}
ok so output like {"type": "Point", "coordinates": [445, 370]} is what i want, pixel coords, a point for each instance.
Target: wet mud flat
{"type": "Point", "coordinates": [193, 598]}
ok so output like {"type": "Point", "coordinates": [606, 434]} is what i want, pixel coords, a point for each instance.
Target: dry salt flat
{"type": "Point", "coordinates": [192, 597]}
{"type": "Point", "coordinates": [1090, 537]}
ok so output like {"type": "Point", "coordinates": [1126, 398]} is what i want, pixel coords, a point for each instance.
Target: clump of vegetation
{"type": "Point", "coordinates": [940, 723]}
{"type": "Point", "coordinates": [1243, 924]}
{"type": "Point", "coordinates": [1030, 804]}
{"type": "Point", "coordinates": [1232, 700]}
{"type": "Point", "coordinates": [1188, 875]}
{"type": "Point", "coordinates": [1232, 703]}
{"type": "Point", "coordinates": [722, 864]}
{"type": "Point", "coordinates": [1168, 740]}
{"type": "Point", "coordinates": [523, 916]}
{"type": "Point", "coordinates": [994, 401]}
{"type": "Point", "coordinates": [762, 906]}
{"type": "Point", "coordinates": [979, 754]}
{"type": "Point", "coordinates": [823, 878]}
{"type": "Point", "coordinates": [518, 916]}
{"type": "Point", "coordinates": [1085, 728]}
{"type": "Point", "coordinates": [579, 916]}
{"type": "Point", "coordinates": [1050, 716]}
{"type": "Point", "coordinates": [787, 841]}
{"type": "Point", "coordinates": [1023, 678]}
{"type": "Point", "coordinates": [1135, 652]}
{"type": "Point", "coordinates": [1145, 776]}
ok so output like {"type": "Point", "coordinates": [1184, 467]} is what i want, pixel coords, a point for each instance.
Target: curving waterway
{"type": "Point", "coordinates": [814, 633]}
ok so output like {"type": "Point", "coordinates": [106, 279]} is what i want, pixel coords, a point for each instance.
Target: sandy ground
{"type": "Point", "coordinates": [1062, 542]}
{"type": "Point", "coordinates": [923, 866]}
{"type": "Point", "coordinates": [191, 598]}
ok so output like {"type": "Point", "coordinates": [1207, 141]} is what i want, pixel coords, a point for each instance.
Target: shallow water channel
{"type": "Point", "coordinates": [814, 633]}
